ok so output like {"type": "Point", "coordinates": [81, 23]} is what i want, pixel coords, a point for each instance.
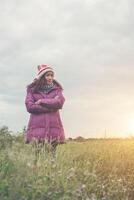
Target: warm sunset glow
{"type": "Point", "coordinates": [131, 125]}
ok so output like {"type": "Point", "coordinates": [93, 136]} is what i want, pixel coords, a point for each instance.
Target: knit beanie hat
{"type": "Point", "coordinates": [42, 69]}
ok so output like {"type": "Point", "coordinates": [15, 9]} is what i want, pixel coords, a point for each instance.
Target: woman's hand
{"type": "Point", "coordinates": [50, 109]}
{"type": "Point", "coordinates": [38, 102]}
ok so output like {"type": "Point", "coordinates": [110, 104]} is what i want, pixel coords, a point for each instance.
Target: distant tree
{"type": "Point", "coordinates": [24, 129]}
{"type": "Point", "coordinates": [5, 137]}
{"type": "Point", "coordinates": [70, 139]}
{"type": "Point", "coordinates": [4, 130]}
{"type": "Point", "coordinates": [80, 139]}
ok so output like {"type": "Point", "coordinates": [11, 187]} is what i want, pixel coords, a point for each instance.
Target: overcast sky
{"type": "Point", "coordinates": [90, 45]}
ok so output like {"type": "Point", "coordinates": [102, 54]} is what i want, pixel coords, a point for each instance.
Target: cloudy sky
{"type": "Point", "coordinates": [90, 45]}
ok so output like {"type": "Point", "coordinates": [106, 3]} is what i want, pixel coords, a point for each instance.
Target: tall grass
{"type": "Point", "coordinates": [95, 169]}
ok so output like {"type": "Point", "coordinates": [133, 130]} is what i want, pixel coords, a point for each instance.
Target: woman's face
{"type": "Point", "coordinates": [49, 77]}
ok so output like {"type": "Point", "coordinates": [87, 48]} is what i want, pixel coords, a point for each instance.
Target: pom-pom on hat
{"type": "Point", "coordinates": [42, 69]}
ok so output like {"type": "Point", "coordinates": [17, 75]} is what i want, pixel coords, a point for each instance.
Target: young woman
{"type": "Point", "coordinates": [43, 101]}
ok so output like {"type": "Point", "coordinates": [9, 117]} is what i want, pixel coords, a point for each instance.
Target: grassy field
{"type": "Point", "coordinates": [91, 170]}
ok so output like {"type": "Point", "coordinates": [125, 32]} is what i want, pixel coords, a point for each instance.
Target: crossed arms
{"type": "Point", "coordinates": [43, 105]}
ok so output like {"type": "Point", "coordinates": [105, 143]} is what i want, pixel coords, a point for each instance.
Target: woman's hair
{"type": "Point", "coordinates": [37, 83]}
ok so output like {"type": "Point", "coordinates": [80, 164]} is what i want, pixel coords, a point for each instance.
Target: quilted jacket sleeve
{"type": "Point", "coordinates": [56, 102]}
{"type": "Point", "coordinates": [31, 106]}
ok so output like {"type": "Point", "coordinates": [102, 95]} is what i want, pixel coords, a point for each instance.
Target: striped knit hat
{"type": "Point", "coordinates": [42, 69]}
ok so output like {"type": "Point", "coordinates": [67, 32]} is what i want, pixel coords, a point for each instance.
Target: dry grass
{"type": "Point", "coordinates": [95, 169]}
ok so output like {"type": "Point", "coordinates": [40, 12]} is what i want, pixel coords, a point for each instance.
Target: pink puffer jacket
{"type": "Point", "coordinates": [45, 121]}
